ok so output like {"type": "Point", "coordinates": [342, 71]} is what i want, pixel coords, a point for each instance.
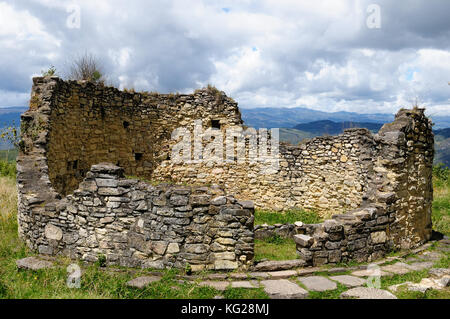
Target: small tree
{"type": "Point", "coordinates": [87, 68]}
{"type": "Point", "coordinates": [11, 136]}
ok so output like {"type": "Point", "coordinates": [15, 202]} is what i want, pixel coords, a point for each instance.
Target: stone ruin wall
{"type": "Point", "coordinates": [396, 209]}
{"type": "Point", "coordinates": [327, 175]}
{"type": "Point", "coordinates": [72, 126]}
{"type": "Point", "coordinates": [92, 124]}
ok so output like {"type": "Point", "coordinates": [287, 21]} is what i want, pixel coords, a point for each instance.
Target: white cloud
{"type": "Point", "coordinates": [318, 54]}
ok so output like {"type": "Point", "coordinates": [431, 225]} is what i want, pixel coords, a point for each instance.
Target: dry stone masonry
{"type": "Point", "coordinates": [396, 209]}
{"type": "Point", "coordinates": [82, 144]}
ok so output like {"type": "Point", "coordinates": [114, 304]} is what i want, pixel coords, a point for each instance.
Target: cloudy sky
{"type": "Point", "coordinates": [327, 55]}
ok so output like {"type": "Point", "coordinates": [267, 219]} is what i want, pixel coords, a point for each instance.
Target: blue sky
{"type": "Point", "coordinates": [319, 54]}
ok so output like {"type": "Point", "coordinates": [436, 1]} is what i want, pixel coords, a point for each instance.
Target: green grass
{"type": "Point", "coordinates": [441, 205]}
{"type": "Point", "coordinates": [7, 168]}
{"type": "Point", "coordinates": [275, 248]}
{"type": "Point", "coordinates": [290, 217]}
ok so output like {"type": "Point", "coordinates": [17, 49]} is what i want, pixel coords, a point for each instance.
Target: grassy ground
{"type": "Point", "coordinates": [275, 248]}
{"type": "Point", "coordinates": [441, 202]}
{"type": "Point", "coordinates": [271, 218]}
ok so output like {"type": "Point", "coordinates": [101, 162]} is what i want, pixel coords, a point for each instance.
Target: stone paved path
{"type": "Point", "coordinates": [287, 283]}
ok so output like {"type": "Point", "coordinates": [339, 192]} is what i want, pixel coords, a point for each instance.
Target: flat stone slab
{"type": "Point", "coordinates": [444, 249]}
{"type": "Point", "coordinates": [33, 263]}
{"type": "Point", "coordinates": [142, 282]}
{"type": "Point", "coordinates": [349, 281]}
{"type": "Point", "coordinates": [259, 275]}
{"type": "Point", "coordinates": [318, 283]}
{"type": "Point", "coordinates": [219, 285]}
{"type": "Point", "coordinates": [238, 275]}
{"type": "Point", "coordinates": [275, 265]}
{"type": "Point", "coordinates": [398, 268]}
{"type": "Point", "coordinates": [439, 272]}
{"type": "Point", "coordinates": [283, 289]}
{"type": "Point", "coordinates": [370, 273]}
{"type": "Point", "coordinates": [420, 265]}
{"type": "Point", "coordinates": [339, 270]}
{"type": "Point", "coordinates": [367, 293]}
{"type": "Point", "coordinates": [435, 283]}
{"type": "Point", "coordinates": [216, 276]}
{"type": "Point", "coordinates": [409, 286]}
{"type": "Point", "coordinates": [431, 255]}
{"type": "Point", "coordinates": [307, 271]}
{"type": "Point", "coordinates": [283, 274]}
{"type": "Point", "coordinates": [245, 284]}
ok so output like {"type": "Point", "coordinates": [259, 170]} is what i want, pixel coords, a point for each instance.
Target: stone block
{"type": "Point", "coordinates": [303, 240]}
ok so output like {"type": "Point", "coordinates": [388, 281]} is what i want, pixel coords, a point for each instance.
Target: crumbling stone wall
{"type": "Point", "coordinates": [92, 124]}
{"type": "Point", "coordinates": [131, 223]}
{"type": "Point", "coordinates": [66, 206]}
{"type": "Point", "coordinates": [396, 211]}
{"type": "Point", "coordinates": [327, 175]}
{"type": "Point", "coordinates": [136, 224]}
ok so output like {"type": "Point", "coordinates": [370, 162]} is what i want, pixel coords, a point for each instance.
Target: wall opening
{"type": "Point", "coordinates": [215, 124]}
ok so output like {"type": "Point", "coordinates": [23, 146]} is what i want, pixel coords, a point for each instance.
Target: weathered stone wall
{"type": "Point", "coordinates": [92, 124]}
{"type": "Point", "coordinates": [67, 128]}
{"type": "Point", "coordinates": [396, 211]}
{"type": "Point", "coordinates": [136, 224]}
{"type": "Point", "coordinates": [326, 174]}
{"type": "Point", "coordinates": [384, 178]}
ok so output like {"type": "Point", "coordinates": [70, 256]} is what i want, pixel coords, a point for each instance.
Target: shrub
{"type": "Point", "coordinates": [7, 169]}
{"type": "Point", "coordinates": [441, 172]}
{"type": "Point", "coordinates": [86, 68]}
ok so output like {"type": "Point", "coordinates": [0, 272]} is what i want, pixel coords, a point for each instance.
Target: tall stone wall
{"type": "Point", "coordinates": [92, 124]}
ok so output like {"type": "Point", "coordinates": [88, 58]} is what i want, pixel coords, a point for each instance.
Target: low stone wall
{"type": "Point", "coordinates": [133, 223]}
{"type": "Point", "coordinates": [282, 230]}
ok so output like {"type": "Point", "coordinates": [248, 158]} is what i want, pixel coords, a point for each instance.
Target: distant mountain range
{"type": "Point", "coordinates": [291, 117]}
{"type": "Point", "coordinates": [334, 128]}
